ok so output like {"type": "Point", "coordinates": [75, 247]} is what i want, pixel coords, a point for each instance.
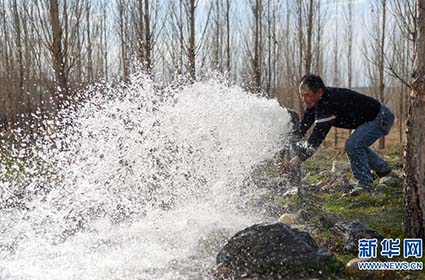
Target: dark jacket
{"type": "Point", "coordinates": [338, 107]}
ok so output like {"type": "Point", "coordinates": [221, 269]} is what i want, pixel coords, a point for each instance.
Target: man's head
{"type": "Point", "coordinates": [311, 90]}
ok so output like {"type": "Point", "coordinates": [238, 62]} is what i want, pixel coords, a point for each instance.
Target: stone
{"type": "Point", "coordinates": [339, 183]}
{"type": "Point", "coordinates": [350, 233]}
{"type": "Point", "coordinates": [390, 181]}
{"type": "Point", "coordinates": [381, 187]}
{"type": "Point", "coordinates": [328, 220]}
{"type": "Point", "coordinates": [289, 218]}
{"type": "Point", "coordinates": [339, 166]}
{"type": "Point", "coordinates": [274, 251]}
{"type": "Point", "coordinates": [352, 269]}
{"type": "Point", "coordinates": [352, 266]}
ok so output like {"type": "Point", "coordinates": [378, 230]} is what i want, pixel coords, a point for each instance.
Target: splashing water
{"type": "Point", "coordinates": [140, 184]}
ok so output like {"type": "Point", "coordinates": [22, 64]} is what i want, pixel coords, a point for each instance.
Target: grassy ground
{"type": "Point", "coordinates": [383, 212]}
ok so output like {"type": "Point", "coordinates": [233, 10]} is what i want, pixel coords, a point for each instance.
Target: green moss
{"type": "Point", "coordinates": [382, 211]}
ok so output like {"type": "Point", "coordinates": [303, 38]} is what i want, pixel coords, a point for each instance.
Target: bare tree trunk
{"type": "Point", "coordinates": [18, 32]}
{"type": "Point", "coordinates": [336, 68]}
{"type": "Point", "coordinates": [140, 38]}
{"type": "Point", "coordinates": [89, 44]}
{"type": "Point", "coordinates": [37, 63]}
{"type": "Point", "coordinates": [381, 63]}
{"type": "Point", "coordinates": [181, 38]}
{"type": "Point", "coordinates": [148, 45]}
{"type": "Point", "coordinates": [256, 64]}
{"type": "Point", "coordinates": [401, 105]}
{"type": "Point", "coordinates": [7, 97]}
{"type": "Point", "coordinates": [191, 49]}
{"type": "Point", "coordinates": [59, 62]}
{"type": "Point", "coordinates": [28, 86]}
{"type": "Point", "coordinates": [18, 40]}
{"type": "Point", "coordinates": [65, 42]}
{"type": "Point", "coordinates": [7, 55]}
{"type": "Point", "coordinates": [216, 39]}
{"type": "Point", "coordinates": [414, 188]}
{"type": "Point", "coordinates": [228, 36]}
{"type": "Point", "coordinates": [272, 56]}
{"type": "Point", "coordinates": [275, 55]}
{"type": "Point", "coordinates": [403, 90]}
{"type": "Point", "coordinates": [309, 53]}
{"type": "Point", "coordinates": [349, 36]}
{"type": "Point", "coordinates": [105, 47]}
{"type": "Point", "coordinates": [269, 49]}
{"type": "Point", "coordinates": [289, 61]}
{"type": "Point", "coordinates": [319, 58]}
{"type": "Point", "coordinates": [300, 47]}
{"type": "Point", "coordinates": [123, 40]}
{"type": "Point", "coordinates": [79, 57]}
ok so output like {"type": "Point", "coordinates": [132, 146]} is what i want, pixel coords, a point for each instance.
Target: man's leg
{"type": "Point", "coordinates": [357, 149]}
{"type": "Point", "coordinates": [383, 122]}
{"type": "Point", "coordinates": [376, 163]}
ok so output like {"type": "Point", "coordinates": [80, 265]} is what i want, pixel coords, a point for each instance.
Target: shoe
{"type": "Point", "coordinates": [383, 174]}
{"type": "Point", "coordinates": [359, 189]}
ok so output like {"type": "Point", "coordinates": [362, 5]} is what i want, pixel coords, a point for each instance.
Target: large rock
{"type": "Point", "coordinates": [273, 251]}
{"type": "Point", "coordinates": [352, 232]}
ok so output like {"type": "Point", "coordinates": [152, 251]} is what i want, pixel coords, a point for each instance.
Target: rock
{"type": "Point", "coordinates": [328, 220]}
{"type": "Point", "coordinates": [307, 213]}
{"type": "Point", "coordinates": [274, 251]}
{"type": "Point", "coordinates": [390, 182]}
{"type": "Point", "coordinates": [339, 184]}
{"type": "Point", "coordinates": [340, 166]}
{"type": "Point", "coordinates": [352, 232]}
{"type": "Point", "coordinates": [381, 187]}
{"type": "Point", "coordinates": [212, 241]}
{"type": "Point", "coordinates": [352, 266]}
{"type": "Point", "coordinates": [352, 269]}
{"type": "Point", "coordinates": [289, 218]}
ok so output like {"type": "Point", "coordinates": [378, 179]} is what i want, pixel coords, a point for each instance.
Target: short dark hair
{"type": "Point", "coordinates": [314, 82]}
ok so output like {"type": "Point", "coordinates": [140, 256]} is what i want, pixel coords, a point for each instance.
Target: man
{"type": "Point", "coordinates": [343, 108]}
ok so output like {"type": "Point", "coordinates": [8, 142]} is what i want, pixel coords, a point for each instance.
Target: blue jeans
{"type": "Point", "coordinates": [362, 158]}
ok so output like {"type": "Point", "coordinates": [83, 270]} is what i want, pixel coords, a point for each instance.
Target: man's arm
{"type": "Point", "coordinates": [306, 121]}
{"type": "Point", "coordinates": [306, 150]}
{"type": "Point", "coordinates": [316, 138]}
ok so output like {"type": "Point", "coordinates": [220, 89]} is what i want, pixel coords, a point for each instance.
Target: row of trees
{"type": "Point", "coordinates": [49, 49]}
{"type": "Point", "coordinates": [52, 48]}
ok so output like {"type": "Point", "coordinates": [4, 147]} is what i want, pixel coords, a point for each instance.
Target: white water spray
{"type": "Point", "coordinates": [139, 184]}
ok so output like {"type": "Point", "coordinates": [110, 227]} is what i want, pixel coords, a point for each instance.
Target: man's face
{"type": "Point", "coordinates": [309, 98]}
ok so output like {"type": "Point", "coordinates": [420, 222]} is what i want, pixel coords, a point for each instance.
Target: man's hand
{"type": "Point", "coordinates": [286, 167]}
